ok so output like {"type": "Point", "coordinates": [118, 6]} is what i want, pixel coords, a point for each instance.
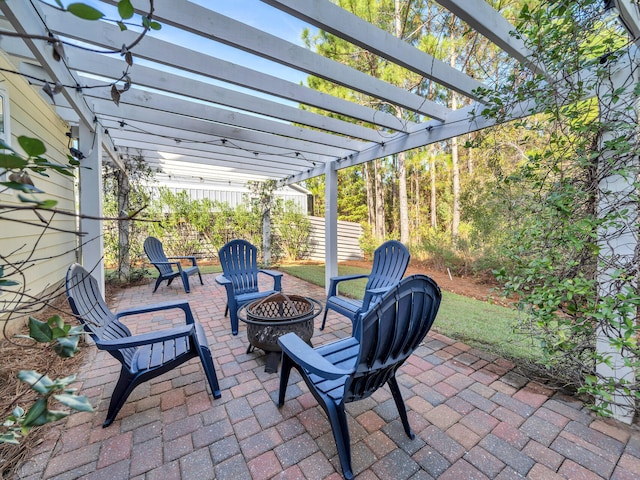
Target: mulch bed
{"type": "Point", "coordinates": [22, 354]}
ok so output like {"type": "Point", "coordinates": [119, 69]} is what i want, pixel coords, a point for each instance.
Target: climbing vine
{"type": "Point", "coordinates": [572, 268]}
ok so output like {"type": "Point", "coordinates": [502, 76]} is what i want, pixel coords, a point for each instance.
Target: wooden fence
{"type": "Point", "coordinates": [348, 244]}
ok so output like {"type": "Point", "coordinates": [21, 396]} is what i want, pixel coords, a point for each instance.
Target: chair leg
{"type": "Point", "coordinates": [226, 310]}
{"type": "Point", "coordinates": [200, 276]}
{"type": "Point", "coordinates": [185, 282]}
{"type": "Point", "coordinates": [233, 316]}
{"type": "Point", "coordinates": [209, 370]}
{"type": "Point", "coordinates": [285, 370]}
{"type": "Point", "coordinates": [324, 318]}
{"type": "Point", "coordinates": [340, 428]}
{"type": "Point", "coordinates": [402, 410]}
{"type": "Point", "coordinates": [157, 284]}
{"type": "Point", "coordinates": [124, 387]}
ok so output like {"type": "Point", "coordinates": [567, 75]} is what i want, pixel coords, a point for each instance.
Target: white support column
{"type": "Point", "coordinates": [90, 144]}
{"type": "Point", "coordinates": [330, 222]}
{"type": "Point", "coordinates": [618, 237]}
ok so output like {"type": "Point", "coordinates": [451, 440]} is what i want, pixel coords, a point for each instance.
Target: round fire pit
{"type": "Point", "coordinates": [271, 317]}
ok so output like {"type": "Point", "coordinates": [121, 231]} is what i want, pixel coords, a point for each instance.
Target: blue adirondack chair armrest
{"type": "Point", "coordinates": [177, 264]}
{"type": "Point", "coordinates": [179, 304]}
{"type": "Point", "coordinates": [222, 280]}
{"type": "Point", "coordinates": [334, 281]}
{"type": "Point", "coordinates": [277, 278]}
{"type": "Point", "coordinates": [191, 258]}
{"type": "Point", "coordinates": [372, 294]}
{"type": "Point", "coordinates": [308, 358]}
{"type": "Point", "coordinates": [146, 338]}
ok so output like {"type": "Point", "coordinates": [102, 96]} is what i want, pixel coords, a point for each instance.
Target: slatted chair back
{"type": "Point", "coordinates": [390, 262]}
{"type": "Point", "coordinates": [390, 332]}
{"type": "Point", "coordinates": [353, 368]}
{"type": "Point", "coordinates": [154, 250]}
{"type": "Point", "coordinates": [239, 260]}
{"type": "Point", "coordinates": [89, 307]}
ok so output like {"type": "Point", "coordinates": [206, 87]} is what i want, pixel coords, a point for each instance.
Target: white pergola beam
{"type": "Point", "coordinates": [160, 135]}
{"type": "Point", "coordinates": [212, 25]}
{"type": "Point", "coordinates": [183, 126]}
{"type": "Point", "coordinates": [101, 35]}
{"type": "Point", "coordinates": [258, 165]}
{"type": "Point", "coordinates": [199, 90]}
{"type": "Point", "coordinates": [25, 20]}
{"type": "Point", "coordinates": [343, 24]}
{"type": "Point", "coordinates": [489, 23]}
{"type": "Point", "coordinates": [214, 152]}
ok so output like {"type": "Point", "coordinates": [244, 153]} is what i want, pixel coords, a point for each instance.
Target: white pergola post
{"type": "Point", "coordinates": [90, 144]}
{"type": "Point", "coordinates": [618, 240]}
{"type": "Point", "coordinates": [330, 222]}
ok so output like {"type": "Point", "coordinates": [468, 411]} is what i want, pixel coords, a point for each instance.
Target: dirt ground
{"type": "Point", "coordinates": [486, 289]}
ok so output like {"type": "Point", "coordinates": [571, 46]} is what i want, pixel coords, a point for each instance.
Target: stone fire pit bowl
{"type": "Point", "coordinates": [271, 317]}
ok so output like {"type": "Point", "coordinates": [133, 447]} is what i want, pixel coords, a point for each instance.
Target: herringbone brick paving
{"type": "Point", "coordinates": [474, 417]}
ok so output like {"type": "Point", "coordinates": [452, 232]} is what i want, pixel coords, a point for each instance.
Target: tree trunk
{"type": "Point", "coordinates": [470, 156]}
{"type": "Point", "coordinates": [432, 171]}
{"type": "Point", "coordinates": [371, 198]}
{"type": "Point", "coordinates": [403, 204]}
{"type": "Point", "coordinates": [266, 237]}
{"type": "Point", "coordinates": [455, 168]}
{"type": "Point", "coordinates": [124, 260]}
{"type": "Point", "coordinates": [380, 230]}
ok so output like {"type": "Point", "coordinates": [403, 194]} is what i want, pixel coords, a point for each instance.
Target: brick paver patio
{"type": "Point", "coordinates": [474, 417]}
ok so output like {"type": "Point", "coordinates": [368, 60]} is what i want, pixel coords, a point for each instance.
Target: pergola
{"type": "Point", "coordinates": [192, 110]}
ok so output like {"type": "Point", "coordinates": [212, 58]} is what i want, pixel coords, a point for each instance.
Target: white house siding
{"type": "Point", "coordinates": [349, 234]}
{"type": "Point", "coordinates": [51, 254]}
{"type": "Point", "coordinates": [232, 195]}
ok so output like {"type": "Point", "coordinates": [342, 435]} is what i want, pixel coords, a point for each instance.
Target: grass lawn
{"type": "Point", "coordinates": [151, 273]}
{"type": "Point", "coordinates": [476, 323]}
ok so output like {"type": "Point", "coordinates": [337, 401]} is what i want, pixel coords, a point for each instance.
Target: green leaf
{"type": "Point", "coordinates": [53, 415]}
{"type": "Point", "coordinates": [155, 26]}
{"type": "Point", "coordinates": [48, 203]}
{"type": "Point", "coordinates": [40, 331]}
{"type": "Point", "coordinates": [66, 347]}
{"type": "Point", "coordinates": [18, 412]}
{"type": "Point", "coordinates": [33, 147]}
{"type": "Point", "coordinates": [40, 383]}
{"type": "Point", "coordinates": [7, 283]}
{"type": "Point", "coordinates": [39, 203]}
{"type": "Point", "coordinates": [84, 11]}
{"type": "Point", "coordinates": [9, 437]}
{"type": "Point", "coordinates": [22, 187]}
{"type": "Point", "coordinates": [76, 402]}
{"type": "Point", "coordinates": [125, 9]}
{"type": "Point", "coordinates": [11, 161]}
{"type": "Point", "coordinates": [5, 146]}
{"type": "Point", "coordinates": [36, 414]}
{"type": "Point", "coordinates": [122, 26]}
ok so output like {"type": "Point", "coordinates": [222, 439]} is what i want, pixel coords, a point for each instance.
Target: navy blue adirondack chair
{"type": "Point", "coordinates": [390, 261]}
{"type": "Point", "coordinates": [167, 269]}
{"type": "Point", "coordinates": [354, 368]}
{"type": "Point", "coordinates": [240, 277]}
{"type": "Point", "coordinates": [144, 356]}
